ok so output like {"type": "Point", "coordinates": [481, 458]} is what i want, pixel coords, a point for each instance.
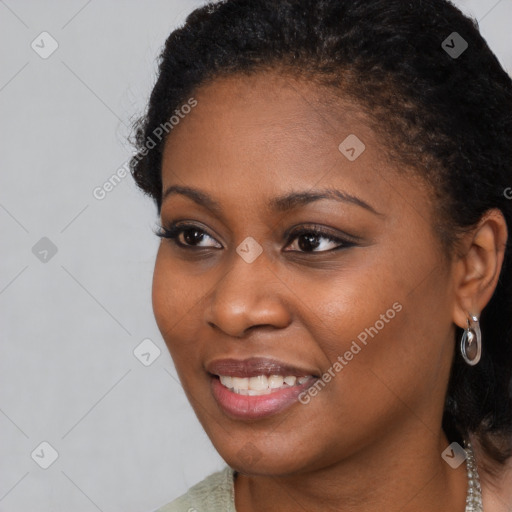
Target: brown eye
{"type": "Point", "coordinates": [192, 235]}
{"type": "Point", "coordinates": [310, 239]}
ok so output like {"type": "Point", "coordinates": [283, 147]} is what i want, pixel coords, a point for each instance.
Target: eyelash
{"type": "Point", "coordinates": [172, 232]}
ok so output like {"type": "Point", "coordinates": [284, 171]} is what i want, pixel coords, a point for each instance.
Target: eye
{"type": "Point", "coordinates": [309, 239]}
{"type": "Point", "coordinates": [192, 235]}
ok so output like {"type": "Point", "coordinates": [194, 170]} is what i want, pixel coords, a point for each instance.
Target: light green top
{"type": "Point", "coordinates": [216, 493]}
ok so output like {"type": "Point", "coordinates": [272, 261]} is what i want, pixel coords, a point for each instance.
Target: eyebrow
{"type": "Point", "coordinates": [276, 204]}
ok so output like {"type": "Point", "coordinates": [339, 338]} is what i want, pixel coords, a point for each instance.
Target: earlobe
{"type": "Point", "coordinates": [477, 271]}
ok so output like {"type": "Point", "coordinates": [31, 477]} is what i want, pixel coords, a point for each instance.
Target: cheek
{"type": "Point", "coordinates": [389, 314]}
{"type": "Point", "coordinates": [163, 294]}
{"type": "Point", "coordinates": [178, 299]}
{"type": "Point", "coordinates": [172, 298]}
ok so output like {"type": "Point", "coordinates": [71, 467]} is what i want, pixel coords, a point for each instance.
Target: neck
{"type": "Point", "coordinates": [403, 473]}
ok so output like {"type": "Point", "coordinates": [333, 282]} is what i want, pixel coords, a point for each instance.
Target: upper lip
{"type": "Point", "coordinates": [254, 366]}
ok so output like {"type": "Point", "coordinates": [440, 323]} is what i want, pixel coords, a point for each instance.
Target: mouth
{"type": "Point", "coordinates": [257, 387]}
{"type": "Point", "coordinates": [260, 384]}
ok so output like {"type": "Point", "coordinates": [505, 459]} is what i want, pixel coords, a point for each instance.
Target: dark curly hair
{"type": "Point", "coordinates": [449, 117]}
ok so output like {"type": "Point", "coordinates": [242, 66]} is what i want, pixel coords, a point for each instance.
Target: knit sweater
{"type": "Point", "coordinates": [216, 493]}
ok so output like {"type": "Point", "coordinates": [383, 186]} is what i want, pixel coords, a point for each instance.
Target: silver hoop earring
{"type": "Point", "coordinates": [471, 342]}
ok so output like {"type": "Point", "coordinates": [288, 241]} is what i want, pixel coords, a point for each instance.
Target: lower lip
{"type": "Point", "coordinates": [247, 407]}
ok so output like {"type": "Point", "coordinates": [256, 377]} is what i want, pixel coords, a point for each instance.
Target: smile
{"type": "Point", "coordinates": [260, 384]}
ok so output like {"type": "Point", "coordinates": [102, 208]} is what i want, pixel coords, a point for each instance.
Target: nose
{"type": "Point", "coordinates": [249, 295]}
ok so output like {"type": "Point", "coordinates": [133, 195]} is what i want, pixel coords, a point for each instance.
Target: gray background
{"type": "Point", "coordinates": [126, 437]}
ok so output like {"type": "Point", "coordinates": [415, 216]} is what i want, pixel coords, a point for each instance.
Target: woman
{"type": "Point", "coordinates": [334, 277]}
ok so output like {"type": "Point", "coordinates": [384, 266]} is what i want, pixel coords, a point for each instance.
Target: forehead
{"type": "Point", "coordinates": [262, 135]}
{"type": "Point", "coordinates": [266, 110]}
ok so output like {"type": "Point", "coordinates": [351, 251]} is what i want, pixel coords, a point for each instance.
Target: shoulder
{"type": "Point", "coordinates": [214, 493]}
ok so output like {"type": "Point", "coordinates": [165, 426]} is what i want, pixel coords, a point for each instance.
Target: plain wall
{"type": "Point", "coordinates": [126, 437]}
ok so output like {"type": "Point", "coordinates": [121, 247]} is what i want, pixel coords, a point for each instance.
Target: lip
{"type": "Point", "coordinates": [246, 407]}
{"type": "Point", "coordinates": [254, 366]}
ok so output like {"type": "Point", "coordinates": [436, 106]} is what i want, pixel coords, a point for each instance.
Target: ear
{"type": "Point", "coordinates": [477, 270]}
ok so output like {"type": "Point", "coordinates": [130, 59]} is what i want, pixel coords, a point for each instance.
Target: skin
{"type": "Point", "coordinates": [495, 480]}
{"type": "Point", "coordinates": [371, 440]}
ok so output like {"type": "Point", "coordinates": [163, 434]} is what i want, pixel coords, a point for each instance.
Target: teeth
{"type": "Point", "coordinates": [275, 381]}
{"type": "Point", "coordinates": [260, 384]}
{"type": "Point", "coordinates": [253, 392]}
{"type": "Point", "coordinates": [290, 380]}
{"type": "Point", "coordinates": [240, 383]}
{"type": "Point", "coordinates": [227, 380]}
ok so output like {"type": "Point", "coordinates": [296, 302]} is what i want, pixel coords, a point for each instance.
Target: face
{"type": "Point", "coordinates": [362, 304]}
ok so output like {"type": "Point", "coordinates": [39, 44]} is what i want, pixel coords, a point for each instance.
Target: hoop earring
{"type": "Point", "coordinates": [471, 342]}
